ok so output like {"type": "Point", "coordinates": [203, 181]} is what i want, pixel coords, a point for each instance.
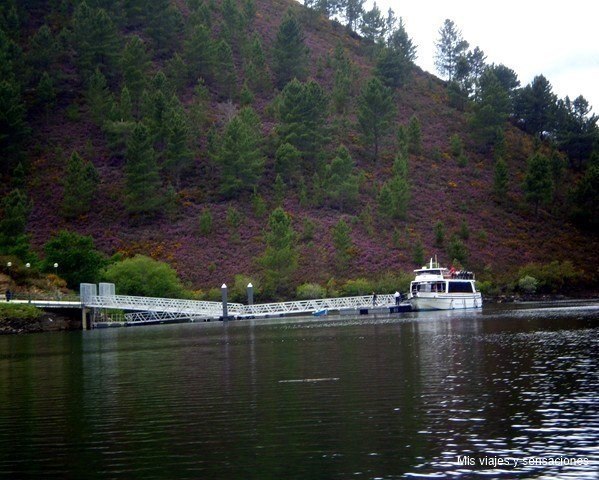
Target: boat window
{"type": "Point", "coordinates": [461, 287]}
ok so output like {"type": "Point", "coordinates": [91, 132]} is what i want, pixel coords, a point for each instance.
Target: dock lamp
{"type": "Point", "coordinates": [28, 266]}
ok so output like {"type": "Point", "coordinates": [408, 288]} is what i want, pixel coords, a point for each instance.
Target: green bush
{"type": "Point", "coordinates": [357, 287]}
{"type": "Point", "coordinates": [310, 291]}
{"type": "Point", "coordinates": [528, 284]}
{"type": "Point", "coordinates": [146, 277]}
{"type": "Point", "coordinates": [19, 310]}
{"type": "Point", "coordinates": [391, 282]}
{"type": "Point", "coordinates": [552, 277]}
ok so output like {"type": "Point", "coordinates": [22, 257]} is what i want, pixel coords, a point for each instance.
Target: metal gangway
{"type": "Point", "coordinates": [150, 309]}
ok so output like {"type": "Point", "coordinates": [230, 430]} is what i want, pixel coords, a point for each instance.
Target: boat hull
{"type": "Point", "coordinates": [446, 302]}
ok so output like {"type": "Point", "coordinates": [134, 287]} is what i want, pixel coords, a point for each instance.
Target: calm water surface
{"type": "Point", "coordinates": [427, 395]}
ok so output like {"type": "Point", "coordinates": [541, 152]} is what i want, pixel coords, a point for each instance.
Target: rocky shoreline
{"type": "Point", "coordinates": [48, 322]}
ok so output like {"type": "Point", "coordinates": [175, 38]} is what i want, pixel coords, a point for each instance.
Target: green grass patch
{"type": "Point", "coordinates": [18, 310]}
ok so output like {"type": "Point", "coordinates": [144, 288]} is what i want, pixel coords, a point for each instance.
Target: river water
{"type": "Point", "coordinates": [509, 392]}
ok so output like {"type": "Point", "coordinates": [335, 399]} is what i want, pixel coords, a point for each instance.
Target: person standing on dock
{"type": "Point", "coordinates": [373, 299]}
{"type": "Point", "coordinates": [397, 296]}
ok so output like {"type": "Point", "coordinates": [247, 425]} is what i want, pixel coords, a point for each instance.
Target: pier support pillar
{"type": "Point", "coordinates": [250, 291]}
{"type": "Point", "coordinates": [223, 291]}
{"type": "Point", "coordinates": [84, 318]}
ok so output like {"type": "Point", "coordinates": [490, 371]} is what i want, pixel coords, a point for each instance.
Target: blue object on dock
{"type": "Point", "coordinates": [320, 313]}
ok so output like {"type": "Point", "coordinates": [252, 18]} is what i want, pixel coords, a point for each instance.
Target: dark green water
{"type": "Point", "coordinates": [417, 396]}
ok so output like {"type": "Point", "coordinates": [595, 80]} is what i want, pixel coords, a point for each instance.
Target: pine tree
{"type": "Point", "coordinates": [225, 70]}
{"type": "Point", "coordinates": [290, 54]}
{"type": "Point", "coordinates": [199, 53]}
{"type": "Point", "coordinates": [373, 25]}
{"type": "Point", "coordinates": [99, 98]}
{"type": "Point", "coordinates": [135, 64]}
{"type": "Point", "coordinates": [375, 111]}
{"type": "Point", "coordinates": [43, 48]}
{"type": "Point", "coordinates": [144, 188]}
{"type": "Point", "coordinates": [256, 70]}
{"type": "Point", "coordinates": [353, 13]}
{"type": "Point", "coordinates": [341, 181]}
{"type": "Point", "coordinates": [239, 155]}
{"type": "Point", "coordinates": [80, 186]}
{"type": "Point", "coordinates": [343, 244]}
{"type": "Point", "coordinates": [414, 136]}
{"type": "Point", "coordinates": [164, 23]}
{"type": "Point", "coordinates": [538, 184]}
{"type": "Point", "coordinates": [343, 83]}
{"type": "Point", "coordinates": [396, 60]}
{"type": "Point", "coordinates": [13, 126]}
{"type": "Point", "coordinates": [451, 47]}
{"type": "Point", "coordinates": [177, 156]}
{"type": "Point", "coordinates": [302, 115]}
{"type": "Point", "coordinates": [95, 40]}
{"type": "Point", "coordinates": [46, 93]}
{"type": "Point", "coordinates": [491, 111]}
{"type": "Point", "coordinates": [280, 256]}
{"type": "Point", "coordinates": [500, 179]}
{"type": "Point", "coordinates": [394, 195]}
{"type": "Point", "coordinates": [15, 208]}
{"type": "Point", "coordinates": [536, 106]}
{"type": "Point", "coordinates": [287, 162]}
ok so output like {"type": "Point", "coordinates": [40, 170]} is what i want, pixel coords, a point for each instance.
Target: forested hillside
{"type": "Point", "coordinates": [290, 145]}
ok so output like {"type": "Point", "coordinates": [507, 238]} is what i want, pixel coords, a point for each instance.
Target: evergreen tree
{"type": "Point", "coordinates": [135, 64]}
{"type": "Point", "coordinates": [500, 179]}
{"type": "Point", "coordinates": [353, 12]}
{"type": "Point", "coordinates": [79, 261]}
{"type": "Point", "coordinates": [491, 111]}
{"type": "Point", "coordinates": [343, 244]}
{"type": "Point", "coordinates": [302, 116]}
{"type": "Point", "coordinates": [343, 83]}
{"type": "Point", "coordinates": [450, 48]}
{"type": "Point", "coordinates": [15, 208]}
{"type": "Point", "coordinates": [280, 257]}
{"type": "Point", "coordinates": [373, 25]}
{"type": "Point", "coordinates": [395, 62]}
{"type": "Point", "coordinates": [538, 185]}
{"type": "Point", "coordinates": [287, 162]}
{"type": "Point", "coordinates": [585, 198]}
{"type": "Point", "coordinates": [239, 155]}
{"type": "Point", "coordinates": [177, 156]}
{"type": "Point", "coordinates": [394, 195]}
{"type": "Point", "coordinates": [144, 188]}
{"type": "Point", "coordinates": [99, 98]}
{"type": "Point", "coordinates": [13, 126]}
{"type": "Point", "coordinates": [535, 106]}
{"type": "Point", "coordinates": [95, 40]}
{"type": "Point", "coordinates": [43, 48]}
{"type": "Point", "coordinates": [414, 136]}
{"type": "Point", "coordinates": [80, 186]}
{"type": "Point", "coordinates": [375, 112]}
{"type": "Point", "coordinates": [46, 93]}
{"type": "Point", "coordinates": [199, 53]}
{"type": "Point", "coordinates": [164, 24]}
{"type": "Point", "coordinates": [256, 70]}
{"type": "Point", "coordinates": [290, 54]}
{"type": "Point", "coordinates": [342, 182]}
{"type": "Point", "coordinates": [225, 70]}
{"type": "Point", "coordinates": [576, 130]}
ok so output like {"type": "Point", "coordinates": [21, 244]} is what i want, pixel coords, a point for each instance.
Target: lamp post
{"type": "Point", "coordinates": [8, 293]}
{"type": "Point", "coordinates": [56, 275]}
{"type": "Point", "coordinates": [28, 266]}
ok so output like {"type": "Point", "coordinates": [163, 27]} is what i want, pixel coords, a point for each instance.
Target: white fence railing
{"type": "Point", "coordinates": [152, 309]}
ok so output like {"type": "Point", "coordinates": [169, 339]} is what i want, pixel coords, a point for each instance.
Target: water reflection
{"type": "Point", "coordinates": [418, 396]}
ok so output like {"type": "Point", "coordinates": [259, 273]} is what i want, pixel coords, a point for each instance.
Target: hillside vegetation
{"type": "Point", "coordinates": [258, 140]}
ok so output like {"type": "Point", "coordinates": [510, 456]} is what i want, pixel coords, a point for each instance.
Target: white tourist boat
{"type": "Point", "coordinates": [437, 288]}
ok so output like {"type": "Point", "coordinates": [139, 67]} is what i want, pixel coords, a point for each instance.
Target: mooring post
{"type": "Point", "coordinates": [250, 291]}
{"type": "Point", "coordinates": [84, 323]}
{"type": "Point", "coordinates": [223, 291]}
